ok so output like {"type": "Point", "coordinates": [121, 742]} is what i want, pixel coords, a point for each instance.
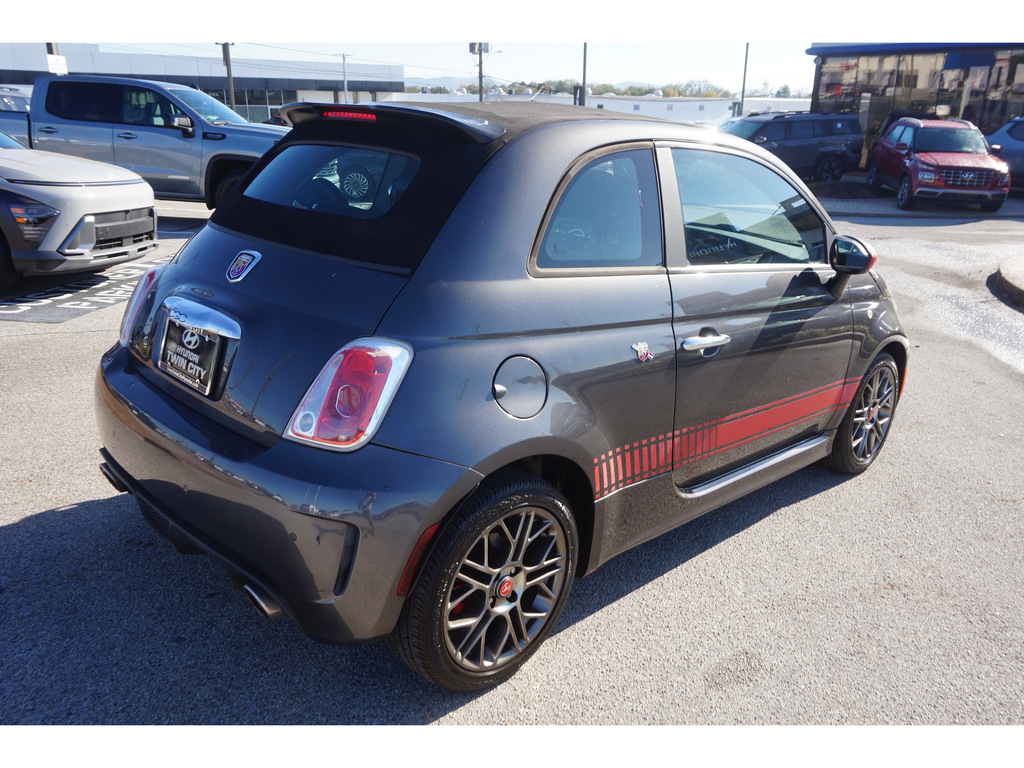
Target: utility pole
{"type": "Point", "coordinates": [344, 74]}
{"type": "Point", "coordinates": [226, 48]}
{"type": "Point", "coordinates": [583, 90]}
{"type": "Point", "coordinates": [743, 90]}
{"type": "Point", "coordinates": [480, 68]}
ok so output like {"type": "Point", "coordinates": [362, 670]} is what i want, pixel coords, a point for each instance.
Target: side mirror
{"type": "Point", "coordinates": [760, 139]}
{"type": "Point", "coordinates": [183, 123]}
{"type": "Point", "coordinates": [848, 256]}
{"type": "Point", "coordinates": [902, 147]}
{"type": "Point", "coordinates": [996, 148]}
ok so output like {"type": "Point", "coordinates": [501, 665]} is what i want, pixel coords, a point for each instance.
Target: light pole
{"type": "Point", "coordinates": [226, 48]}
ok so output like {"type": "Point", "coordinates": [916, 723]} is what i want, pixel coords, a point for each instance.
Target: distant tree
{"type": "Point", "coordinates": [783, 92]}
{"type": "Point", "coordinates": [669, 92]}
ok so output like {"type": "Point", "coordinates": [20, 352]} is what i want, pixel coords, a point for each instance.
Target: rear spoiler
{"type": "Point", "coordinates": [397, 115]}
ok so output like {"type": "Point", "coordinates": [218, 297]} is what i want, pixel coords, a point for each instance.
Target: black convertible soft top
{"type": "Point", "coordinates": [452, 143]}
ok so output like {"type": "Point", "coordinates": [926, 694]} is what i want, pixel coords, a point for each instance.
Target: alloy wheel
{"type": "Point", "coordinates": [873, 414]}
{"type": "Point", "coordinates": [505, 589]}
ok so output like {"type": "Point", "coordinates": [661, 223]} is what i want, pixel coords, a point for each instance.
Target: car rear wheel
{"type": "Point", "coordinates": [493, 586]}
{"type": "Point", "coordinates": [905, 194]}
{"type": "Point", "coordinates": [866, 424]}
{"type": "Point", "coordinates": [830, 169]}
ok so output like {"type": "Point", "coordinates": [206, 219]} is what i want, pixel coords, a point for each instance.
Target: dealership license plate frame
{"type": "Point", "coordinates": [196, 366]}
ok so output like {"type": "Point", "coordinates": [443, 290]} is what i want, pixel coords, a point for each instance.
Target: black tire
{"type": "Point", "coordinates": [905, 195]}
{"type": "Point", "coordinates": [874, 183]}
{"type": "Point", "coordinates": [227, 183]}
{"type": "Point", "coordinates": [830, 169]}
{"type": "Point", "coordinates": [356, 183]}
{"type": "Point", "coordinates": [473, 618]}
{"type": "Point", "coordinates": [866, 424]}
{"type": "Point", "coordinates": [8, 275]}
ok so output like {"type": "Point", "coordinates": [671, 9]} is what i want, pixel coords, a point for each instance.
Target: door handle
{"type": "Point", "coordinates": [48, 129]}
{"type": "Point", "coordinates": [700, 343]}
{"type": "Point", "coordinates": [127, 135]}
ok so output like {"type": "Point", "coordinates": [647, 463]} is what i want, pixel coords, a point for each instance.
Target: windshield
{"type": "Point", "coordinates": [743, 129]}
{"type": "Point", "coordinates": [945, 140]}
{"type": "Point", "coordinates": [208, 107]}
{"type": "Point", "coordinates": [7, 142]}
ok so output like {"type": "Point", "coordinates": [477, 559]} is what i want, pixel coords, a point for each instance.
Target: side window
{"type": "Point", "coordinates": [737, 211]}
{"type": "Point", "coordinates": [92, 102]}
{"type": "Point", "coordinates": [801, 129]}
{"type": "Point", "coordinates": [1017, 131]}
{"type": "Point", "coordinates": [141, 106]}
{"type": "Point", "coordinates": [896, 134]}
{"type": "Point", "coordinates": [774, 131]}
{"type": "Point", "coordinates": [607, 216]}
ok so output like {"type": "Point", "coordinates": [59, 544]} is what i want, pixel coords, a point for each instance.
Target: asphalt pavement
{"type": "Point", "coordinates": [1010, 276]}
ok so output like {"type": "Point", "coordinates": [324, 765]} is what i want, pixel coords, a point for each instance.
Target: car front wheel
{"type": "Point", "coordinates": [493, 586]}
{"type": "Point", "coordinates": [905, 195]}
{"type": "Point", "coordinates": [866, 424]}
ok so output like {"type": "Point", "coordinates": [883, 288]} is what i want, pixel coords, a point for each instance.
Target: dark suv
{"type": "Point", "coordinates": [541, 336]}
{"type": "Point", "coordinates": [946, 160]}
{"type": "Point", "coordinates": [819, 146]}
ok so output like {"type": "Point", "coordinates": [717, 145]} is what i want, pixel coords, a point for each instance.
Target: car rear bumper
{"type": "Point", "coordinates": [326, 536]}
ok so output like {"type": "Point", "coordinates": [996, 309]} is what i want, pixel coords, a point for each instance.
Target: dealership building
{"type": "Point", "coordinates": [980, 82]}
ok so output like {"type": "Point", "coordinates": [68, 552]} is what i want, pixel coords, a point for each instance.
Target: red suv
{"type": "Point", "coordinates": [938, 160]}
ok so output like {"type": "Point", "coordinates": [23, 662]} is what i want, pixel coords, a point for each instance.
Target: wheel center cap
{"type": "Point", "coordinates": [505, 587]}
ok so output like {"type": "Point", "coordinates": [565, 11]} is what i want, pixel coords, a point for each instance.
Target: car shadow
{"type": "Point", "coordinates": [103, 622]}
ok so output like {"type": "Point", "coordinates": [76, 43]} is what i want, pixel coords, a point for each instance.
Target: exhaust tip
{"type": "Point", "coordinates": [264, 603]}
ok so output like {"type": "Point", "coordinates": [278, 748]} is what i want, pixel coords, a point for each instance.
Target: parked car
{"type": "Point", "coordinates": [944, 160]}
{"type": "Point", "coordinates": [13, 99]}
{"type": "Point", "coordinates": [548, 335]}
{"type": "Point", "coordinates": [65, 214]}
{"type": "Point", "coordinates": [184, 142]}
{"type": "Point", "coordinates": [1010, 139]}
{"type": "Point", "coordinates": [814, 145]}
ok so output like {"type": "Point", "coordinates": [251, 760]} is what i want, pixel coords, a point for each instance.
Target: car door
{"type": "Point", "coordinates": [146, 141]}
{"type": "Point", "coordinates": [762, 345]}
{"type": "Point", "coordinates": [77, 119]}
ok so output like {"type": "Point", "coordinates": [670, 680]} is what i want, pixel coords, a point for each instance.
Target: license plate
{"type": "Point", "coordinates": [190, 355]}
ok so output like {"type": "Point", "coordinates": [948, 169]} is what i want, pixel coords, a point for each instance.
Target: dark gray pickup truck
{"type": "Point", "coordinates": [185, 143]}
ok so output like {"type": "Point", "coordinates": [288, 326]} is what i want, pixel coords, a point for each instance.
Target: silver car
{"type": "Point", "coordinates": [66, 214]}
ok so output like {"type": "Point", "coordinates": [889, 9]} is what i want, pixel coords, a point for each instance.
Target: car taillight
{"type": "Point", "coordinates": [347, 402]}
{"type": "Point", "coordinates": [138, 296]}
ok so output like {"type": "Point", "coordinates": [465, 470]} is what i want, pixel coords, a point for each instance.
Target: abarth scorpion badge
{"type": "Point", "coordinates": [240, 267]}
{"type": "Point", "coordinates": [643, 352]}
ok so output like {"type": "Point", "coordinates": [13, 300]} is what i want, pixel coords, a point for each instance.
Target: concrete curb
{"type": "Point", "coordinates": [1010, 278]}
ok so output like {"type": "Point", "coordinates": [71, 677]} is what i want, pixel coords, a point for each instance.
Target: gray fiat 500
{"type": "Point", "coordinates": [419, 407]}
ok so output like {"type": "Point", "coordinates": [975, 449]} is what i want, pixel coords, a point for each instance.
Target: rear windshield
{"type": "Point", "coordinates": [335, 181]}
{"type": "Point", "coordinates": [360, 193]}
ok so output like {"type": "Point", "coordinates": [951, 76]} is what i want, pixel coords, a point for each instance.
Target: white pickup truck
{"type": "Point", "coordinates": [185, 143]}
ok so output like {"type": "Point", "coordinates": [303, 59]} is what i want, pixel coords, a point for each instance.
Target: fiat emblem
{"type": "Point", "coordinates": [505, 588]}
{"type": "Point", "coordinates": [241, 265]}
